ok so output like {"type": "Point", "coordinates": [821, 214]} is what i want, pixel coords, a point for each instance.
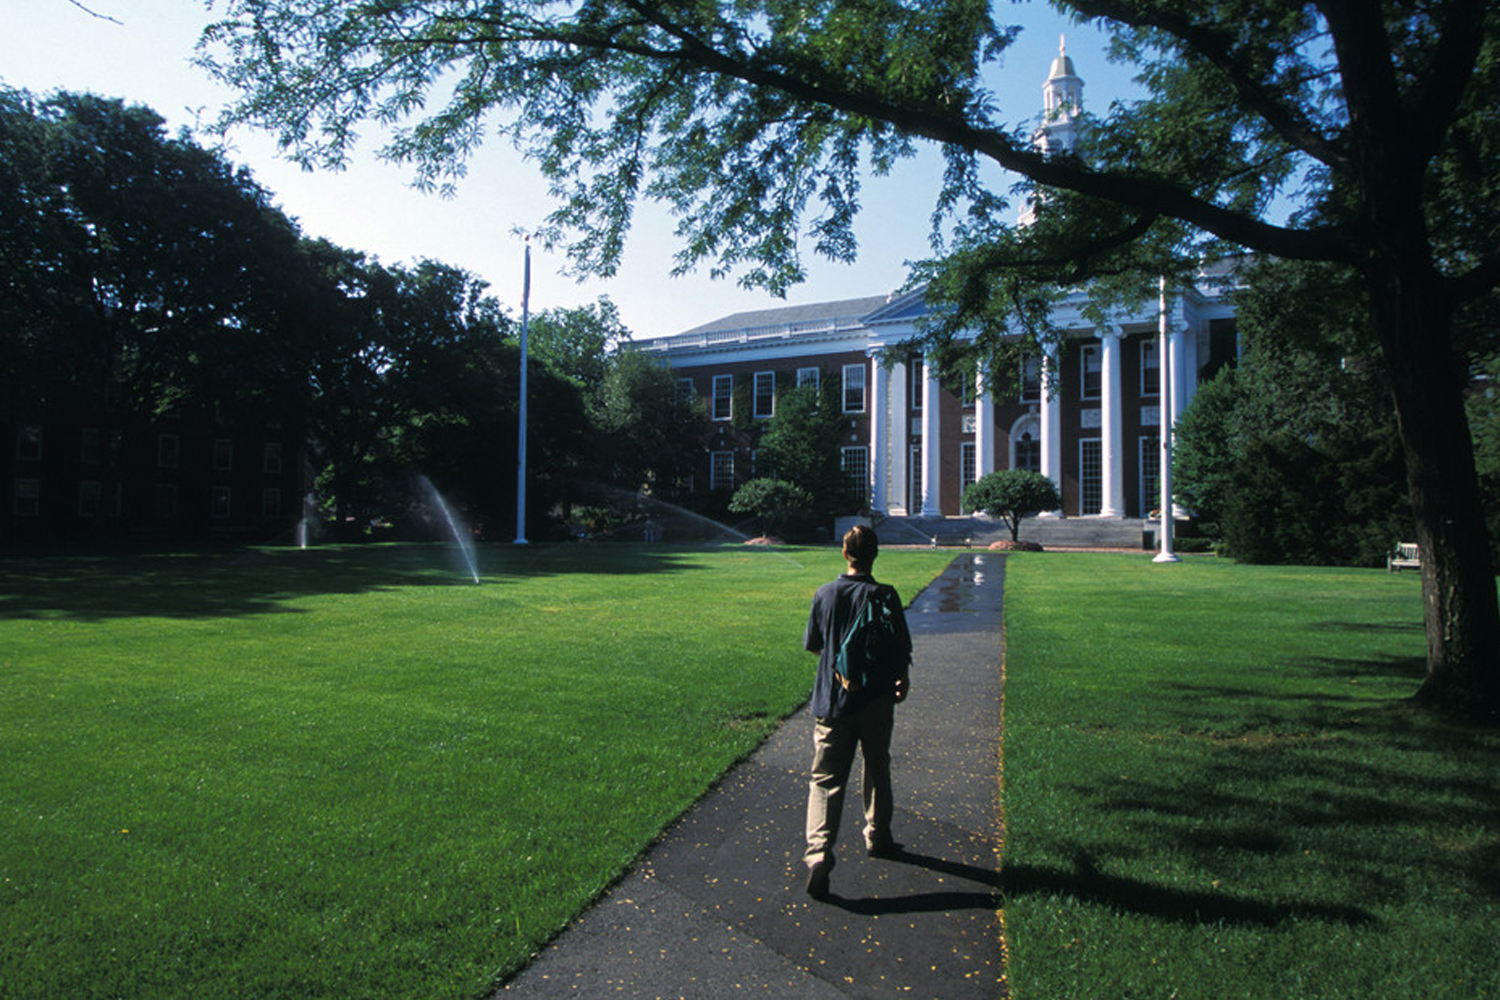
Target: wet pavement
{"type": "Point", "coordinates": [716, 908]}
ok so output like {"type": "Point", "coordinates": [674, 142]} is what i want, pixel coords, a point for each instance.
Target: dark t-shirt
{"type": "Point", "coordinates": [834, 607]}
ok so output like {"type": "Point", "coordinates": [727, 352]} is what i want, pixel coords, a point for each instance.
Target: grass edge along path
{"type": "Point", "coordinates": [348, 771]}
{"type": "Point", "coordinates": [1212, 789]}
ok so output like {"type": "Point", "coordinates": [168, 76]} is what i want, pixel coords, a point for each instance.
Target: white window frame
{"type": "Point", "coordinates": [720, 478]}
{"type": "Point", "coordinates": [29, 443]}
{"type": "Point", "coordinates": [90, 446]}
{"type": "Point", "coordinates": [168, 451]}
{"type": "Point", "coordinates": [220, 499]}
{"type": "Point", "coordinates": [271, 463]}
{"type": "Point", "coordinates": [1150, 484]}
{"type": "Point", "coordinates": [685, 390]}
{"type": "Point", "coordinates": [1091, 363]}
{"type": "Point", "coordinates": [854, 383]}
{"type": "Point", "coordinates": [1031, 379]}
{"type": "Point", "coordinates": [809, 376]}
{"type": "Point", "coordinates": [223, 454]}
{"type": "Point", "coordinates": [270, 502]}
{"type": "Point", "coordinates": [26, 498]}
{"type": "Point", "coordinates": [1150, 362]}
{"type": "Point", "coordinates": [1090, 480]}
{"type": "Point", "coordinates": [968, 465]}
{"type": "Point", "coordinates": [723, 394]}
{"type": "Point", "coordinates": [763, 389]}
{"type": "Point", "coordinates": [90, 498]}
{"type": "Point", "coordinates": [854, 462]}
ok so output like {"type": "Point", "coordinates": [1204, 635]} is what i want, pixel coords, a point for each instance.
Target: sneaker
{"type": "Point", "coordinates": [886, 849]}
{"type": "Point", "coordinates": [817, 879]}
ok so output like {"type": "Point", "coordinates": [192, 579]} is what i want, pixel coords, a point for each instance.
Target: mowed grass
{"type": "Point", "coordinates": [1212, 789]}
{"type": "Point", "coordinates": [350, 772]}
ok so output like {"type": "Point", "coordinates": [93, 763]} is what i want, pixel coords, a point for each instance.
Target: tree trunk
{"type": "Point", "coordinates": [1460, 614]}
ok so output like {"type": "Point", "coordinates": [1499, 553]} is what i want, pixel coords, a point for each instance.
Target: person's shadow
{"type": "Point", "coordinates": [931, 902]}
{"type": "Point", "coordinates": [1088, 884]}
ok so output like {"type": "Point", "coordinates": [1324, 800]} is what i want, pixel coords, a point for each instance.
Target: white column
{"type": "Point", "coordinates": [984, 425]}
{"type": "Point", "coordinates": [1111, 423]}
{"type": "Point", "coordinates": [900, 422]}
{"type": "Point", "coordinates": [880, 434]}
{"type": "Point", "coordinates": [932, 443]}
{"type": "Point", "coordinates": [1051, 420]}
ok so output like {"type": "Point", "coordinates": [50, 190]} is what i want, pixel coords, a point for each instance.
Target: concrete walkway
{"type": "Point", "coordinates": [716, 908]}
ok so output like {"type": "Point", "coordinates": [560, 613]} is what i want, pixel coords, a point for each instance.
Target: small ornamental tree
{"type": "Point", "coordinates": [1010, 495]}
{"type": "Point", "coordinates": [772, 501]}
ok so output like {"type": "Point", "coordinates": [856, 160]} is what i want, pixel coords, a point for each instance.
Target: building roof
{"type": "Point", "coordinates": [794, 316]}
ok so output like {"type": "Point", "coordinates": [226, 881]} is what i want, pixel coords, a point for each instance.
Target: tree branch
{"type": "Point", "coordinates": [1143, 194]}
{"type": "Point", "coordinates": [1287, 121]}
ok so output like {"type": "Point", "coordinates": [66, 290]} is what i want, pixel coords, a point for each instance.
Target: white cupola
{"type": "Point", "coordinates": [1062, 104]}
{"type": "Point", "coordinates": [1062, 107]}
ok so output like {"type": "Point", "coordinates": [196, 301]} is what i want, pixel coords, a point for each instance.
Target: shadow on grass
{"type": "Point", "coordinates": [1126, 895]}
{"type": "Point", "coordinates": [213, 582]}
{"type": "Point", "coordinates": [1087, 883]}
{"type": "Point", "coordinates": [1340, 788]}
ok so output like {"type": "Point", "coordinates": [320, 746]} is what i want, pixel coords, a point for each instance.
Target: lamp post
{"type": "Point", "coordinates": [521, 423]}
{"type": "Point", "coordinates": [1164, 393]}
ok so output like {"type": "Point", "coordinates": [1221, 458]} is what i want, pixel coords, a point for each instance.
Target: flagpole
{"type": "Point", "coordinates": [521, 444]}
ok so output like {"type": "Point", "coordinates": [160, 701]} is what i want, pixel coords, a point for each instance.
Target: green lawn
{"type": "Point", "coordinates": [1212, 790]}
{"type": "Point", "coordinates": [351, 772]}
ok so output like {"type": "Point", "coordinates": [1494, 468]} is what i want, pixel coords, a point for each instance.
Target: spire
{"type": "Point", "coordinates": [1062, 102]}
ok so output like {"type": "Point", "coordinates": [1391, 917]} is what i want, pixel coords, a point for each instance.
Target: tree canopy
{"type": "Point", "coordinates": [753, 119]}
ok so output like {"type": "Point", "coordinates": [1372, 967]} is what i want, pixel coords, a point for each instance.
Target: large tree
{"type": "Point", "coordinates": [753, 120]}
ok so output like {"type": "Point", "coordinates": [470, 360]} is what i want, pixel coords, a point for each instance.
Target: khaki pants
{"type": "Point", "coordinates": [834, 743]}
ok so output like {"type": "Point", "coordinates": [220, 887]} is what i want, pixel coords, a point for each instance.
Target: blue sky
{"type": "Point", "coordinates": [143, 56]}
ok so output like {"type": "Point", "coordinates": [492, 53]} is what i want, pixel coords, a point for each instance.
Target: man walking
{"type": "Point", "coordinates": [849, 716]}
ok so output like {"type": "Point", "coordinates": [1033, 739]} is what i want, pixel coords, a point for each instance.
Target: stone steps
{"type": "Point", "coordinates": [1049, 532]}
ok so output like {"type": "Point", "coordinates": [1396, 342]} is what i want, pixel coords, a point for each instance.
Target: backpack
{"type": "Point", "coordinates": [870, 650]}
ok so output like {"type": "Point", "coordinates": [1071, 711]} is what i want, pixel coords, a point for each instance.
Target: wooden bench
{"type": "Point", "coordinates": [1406, 555]}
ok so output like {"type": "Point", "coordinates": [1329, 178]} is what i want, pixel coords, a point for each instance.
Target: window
{"type": "Point", "coordinates": [723, 397]}
{"type": "Point", "coordinates": [914, 479]}
{"type": "Point", "coordinates": [808, 376]}
{"type": "Point", "coordinates": [1028, 452]}
{"type": "Point", "coordinates": [1031, 379]}
{"type": "Point", "coordinates": [270, 502]}
{"type": "Point", "coordinates": [29, 443]}
{"type": "Point", "coordinates": [219, 503]}
{"type": "Point", "coordinates": [1150, 368]}
{"type": "Point", "coordinates": [27, 500]}
{"type": "Point", "coordinates": [721, 470]}
{"type": "Point", "coordinates": [168, 449]}
{"type": "Point", "coordinates": [1090, 357]}
{"type": "Point", "coordinates": [166, 502]}
{"type": "Point", "coordinates": [684, 390]}
{"type": "Point", "coordinates": [271, 458]}
{"type": "Point", "coordinates": [917, 383]}
{"type": "Point", "coordinates": [1090, 476]}
{"type": "Point", "coordinates": [90, 498]}
{"type": "Point", "coordinates": [223, 454]}
{"type": "Point", "coordinates": [765, 394]}
{"type": "Point", "coordinates": [855, 463]}
{"type": "Point", "coordinates": [1150, 473]}
{"type": "Point", "coordinates": [854, 388]}
{"type": "Point", "coordinates": [89, 449]}
{"type": "Point", "coordinates": [968, 467]}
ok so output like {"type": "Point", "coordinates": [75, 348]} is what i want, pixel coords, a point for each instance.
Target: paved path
{"type": "Point", "coordinates": [717, 907]}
